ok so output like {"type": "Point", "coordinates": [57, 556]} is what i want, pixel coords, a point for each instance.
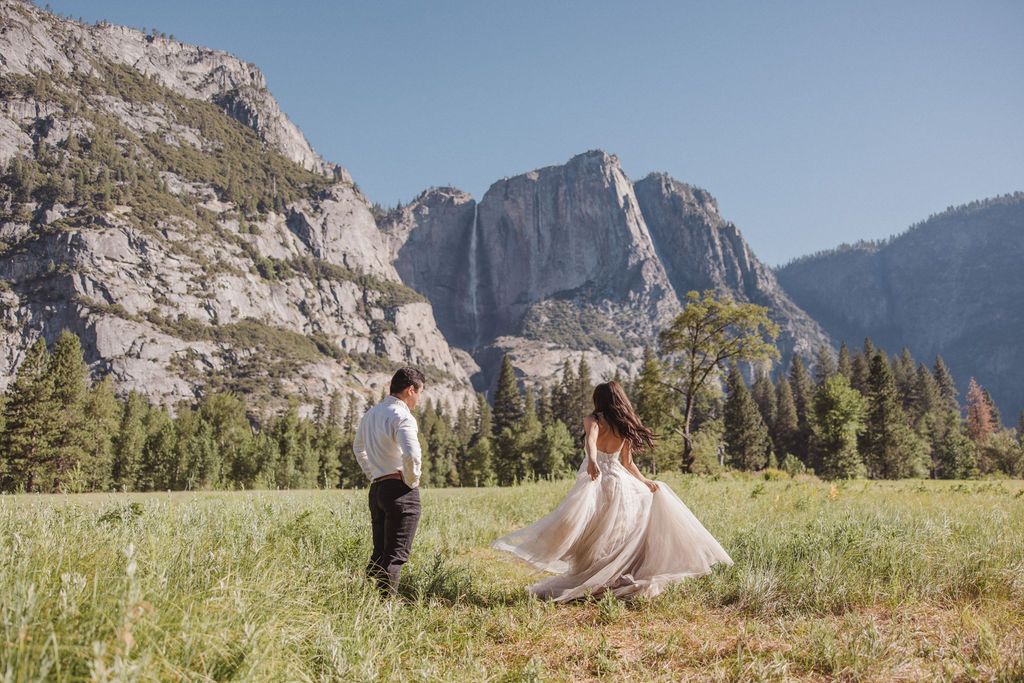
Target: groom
{"type": "Point", "coordinates": [388, 450]}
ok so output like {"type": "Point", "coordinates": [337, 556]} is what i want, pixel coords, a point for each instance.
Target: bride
{"type": "Point", "coordinates": [615, 530]}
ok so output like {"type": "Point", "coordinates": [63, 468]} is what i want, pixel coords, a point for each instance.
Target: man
{"type": "Point", "coordinates": [388, 450]}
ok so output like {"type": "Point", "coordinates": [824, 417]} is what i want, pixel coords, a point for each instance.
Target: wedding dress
{"type": "Point", "coordinates": [614, 534]}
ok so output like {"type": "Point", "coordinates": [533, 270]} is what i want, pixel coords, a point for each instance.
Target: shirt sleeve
{"type": "Point", "coordinates": [359, 448]}
{"type": "Point", "coordinates": [412, 458]}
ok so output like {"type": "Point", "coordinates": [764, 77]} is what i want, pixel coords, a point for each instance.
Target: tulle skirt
{"type": "Point", "coordinates": [613, 534]}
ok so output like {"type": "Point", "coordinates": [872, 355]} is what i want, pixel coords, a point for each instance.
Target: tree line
{"type": "Point", "coordinates": [862, 413]}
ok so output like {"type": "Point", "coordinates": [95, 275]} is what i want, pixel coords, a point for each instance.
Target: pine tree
{"type": "Point", "coordinates": [508, 403]}
{"type": "Point", "coordinates": [980, 423]}
{"type": "Point", "coordinates": [746, 436]}
{"type": "Point", "coordinates": [545, 413]}
{"type": "Point", "coordinates": [786, 429]}
{"type": "Point", "coordinates": [904, 370]}
{"type": "Point", "coordinates": [557, 450]}
{"type": "Point", "coordinates": [125, 471]}
{"type": "Point", "coordinates": [803, 394]}
{"type": "Point", "coordinates": [102, 421]}
{"type": "Point", "coordinates": [763, 393]}
{"type": "Point", "coordinates": [68, 373]}
{"type": "Point", "coordinates": [158, 462]}
{"type": "Point", "coordinates": [993, 409]}
{"type": "Point", "coordinates": [844, 366]}
{"type": "Point", "coordinates": [484, 423]}
{"type": "Point", "coordinates": [837, 417]}
{"type": "Point", "coordinates": [891, 449]}
{"type": "Point", "coordinates": [650, 399]}
{"type": "Point", "coordinates": [584, 390]}
{"type": "Point", "coordinates": [944, 381]}
{"type": "Point", "coordinates": [954, 454]}
{"type": "Point", "coordinates": [28, 437]}
{"type": "Point", "coordinates": [925, 399]}
{"type": "Point", "coordinates": [824, 365]}
{"type": "Point", "coordinates": [563, 394]}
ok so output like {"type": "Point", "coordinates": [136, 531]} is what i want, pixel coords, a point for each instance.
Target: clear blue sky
{"type": "Point", "coordinates": [813, 123]}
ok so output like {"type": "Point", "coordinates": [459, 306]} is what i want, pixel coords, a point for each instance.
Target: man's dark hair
{"type": "Point", "coordinates": [407, 377]}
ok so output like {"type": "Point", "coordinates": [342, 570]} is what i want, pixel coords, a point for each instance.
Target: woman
{"type": "Point", "coordinates": [615, 530]}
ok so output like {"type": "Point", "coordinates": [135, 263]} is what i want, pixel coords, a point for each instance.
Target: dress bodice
{"type": "Point", "coordinates": [605, 457]}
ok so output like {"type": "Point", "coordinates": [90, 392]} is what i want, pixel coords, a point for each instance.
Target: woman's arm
{"type": "Point", "coordinates": [627, 462]}
{"type": "Point", "coordinates": [590, 429]}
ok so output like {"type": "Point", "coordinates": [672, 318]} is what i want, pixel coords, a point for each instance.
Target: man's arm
{"type": "Point", "coordinates": [412, 458]}
{"type": "Point", "coordinates": [359, 448]}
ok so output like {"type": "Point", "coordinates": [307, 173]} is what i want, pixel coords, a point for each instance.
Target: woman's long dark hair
{"type": "Point", "coordinates": [612, 404]}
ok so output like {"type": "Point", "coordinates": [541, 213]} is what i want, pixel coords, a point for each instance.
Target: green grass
{"type": "Point", "coordinates": [871, 580]}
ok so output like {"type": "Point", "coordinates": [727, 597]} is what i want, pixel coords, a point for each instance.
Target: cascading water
{"type": "Point", "coordinates": [473, 280]}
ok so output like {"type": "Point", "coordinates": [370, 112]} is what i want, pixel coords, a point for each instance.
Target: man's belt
{"type": "Point", "coordinates": [393, 475]}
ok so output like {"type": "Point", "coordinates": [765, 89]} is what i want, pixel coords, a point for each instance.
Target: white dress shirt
{"type": "Point", "coordinates": [386, 442]}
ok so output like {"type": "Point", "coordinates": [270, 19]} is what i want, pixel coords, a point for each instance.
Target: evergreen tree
{"type": "Point", "coordinates": [993, 409]}
{"type": "Point", "coordinates": [980, 423]}
{"type": "Point", "coordinates": [891, 449]}
{"type": "Point", "coordinates": [904, 370]}
{"type": "Point", "coordinates": [584, 391]}
{"type": "Point", "coordinates": [746, 436]}
{"type": "Point", "coordinates": [158, 462]}
{"type": "Point", "coordinates": [545, 413]}
{"type": "Point", "coordinates": [556, 452]}
{"type": "Point", "coordinates": [844, 365]}
{"type": "Point", "coordinates": [650, 399]}
{"type": "Point", "coordinates": [944, 381]}
{"type": "Point", "coordinates": [29, 434]}
{"type": "Point", "coordinates": [837, 417]}
{"type": "Point", "coordinates": [71, 438]}
{"type": "Point", "coordinates": [508, 402]}
{"type": "Point", "coordinates": [477, 468]}
{"type": "Point", "coordinates": [1020, 427]}
{"type": "Point", "coordinates": [484, 423]}
{"type": "Point", "coordinates": [925, 396]}
{"type": "Point", "coordinates": [786, 429]}
{"type": "Point", "coordinates": [763, 393]}
{"type": "Point", "coordinates": [196, 462]}
{"type": "Point", "coordinates": [126, 469]}
{"type": "Point", "coordinates": [563, 396]}
{"type": "Point", "coordinates": [824, 365]}
{"type": "Point", "coordinates": [803, 394]}
{"type": "Point", "coordinates": [954, 454]}
{"type": "Point", "coordinates": [102, 413]}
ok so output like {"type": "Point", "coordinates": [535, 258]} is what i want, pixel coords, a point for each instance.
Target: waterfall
{"type": "Point", "coordinates": [473, 280]}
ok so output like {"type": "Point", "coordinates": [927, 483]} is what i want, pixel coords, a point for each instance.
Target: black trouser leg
{"type": "Point", "coordinates": [395, 513]}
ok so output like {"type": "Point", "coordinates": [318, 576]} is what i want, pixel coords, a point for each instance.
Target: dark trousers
{"type": "Point", "coordinates": [394, 512]}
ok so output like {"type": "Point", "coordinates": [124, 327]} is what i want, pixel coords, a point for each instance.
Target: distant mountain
{"type": "Point", "coordinates": [576, 259]}
{"type": "Point", "coordinates": [952, 285]}
{"type": "Point", "coordinates": [156, 201]}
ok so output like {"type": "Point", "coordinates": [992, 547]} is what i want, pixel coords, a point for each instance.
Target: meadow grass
{"type": "Point", "coordinates": [863, 581]}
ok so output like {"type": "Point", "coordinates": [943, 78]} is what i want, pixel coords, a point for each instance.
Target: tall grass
{"type": "Point", "coordinates": [867, 580]}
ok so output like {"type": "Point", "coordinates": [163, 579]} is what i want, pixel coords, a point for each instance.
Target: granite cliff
{"type": "Point", "coordinates": [156, 201]}
{"type": "Point", "coordinates": [952, 286]}
{"type": "Point", "coordinates": [575, 259]}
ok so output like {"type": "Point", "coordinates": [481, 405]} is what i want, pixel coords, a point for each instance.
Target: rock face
{"type": "Point", "coordinates": [576, 259]}
{"type": "Point", "coordinates": [700, 250]}
{"type": "Point", "coordinates": [952, 286]}
{"type": "Point", "coordinates": [133, 212]}
{"type": "Point", "coordinates": [33, 40]}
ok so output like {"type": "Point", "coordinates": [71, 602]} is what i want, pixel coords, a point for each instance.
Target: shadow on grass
{"type": "Point", "coordinates": [454, 585]}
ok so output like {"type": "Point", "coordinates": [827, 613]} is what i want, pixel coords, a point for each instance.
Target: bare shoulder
{"type": "Point", "coordinates": [590, 423]}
